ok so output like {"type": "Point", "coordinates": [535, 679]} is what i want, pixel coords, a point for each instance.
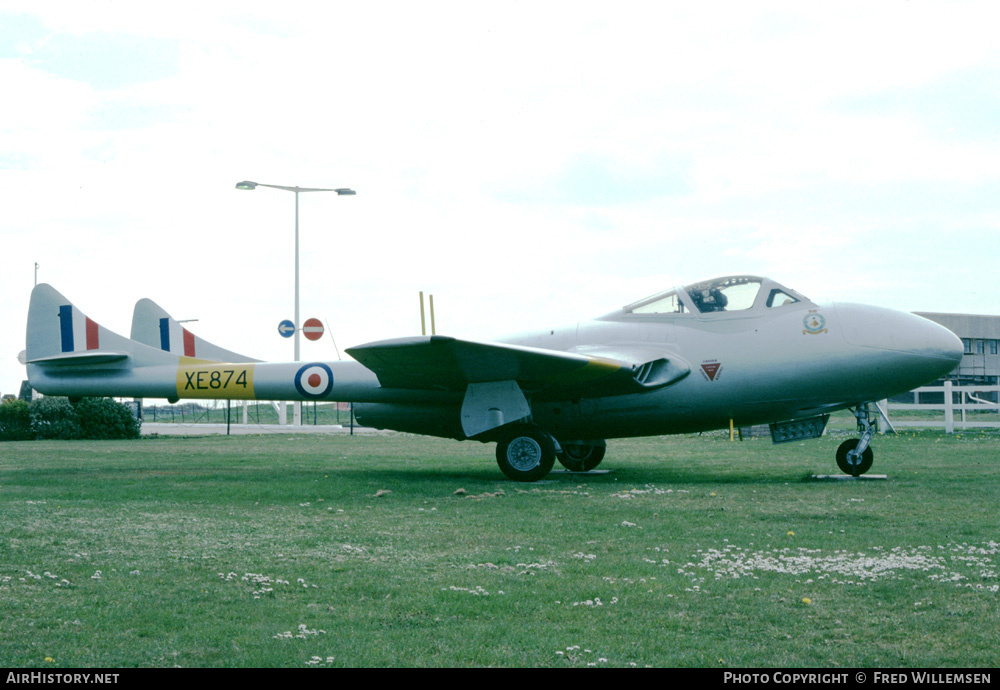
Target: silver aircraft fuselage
{"type": "Point", "coordinates": [752, 368]}
{"type": "Point", "coordinates": [762, 355]}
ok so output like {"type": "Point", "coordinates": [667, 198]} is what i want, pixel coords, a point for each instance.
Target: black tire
{"type": "Point", "coordinates": [526, 454]}
{"type": "Point", "coordinates": [581, 458]}
{"type": "Point", "coordinates": [845, 465]}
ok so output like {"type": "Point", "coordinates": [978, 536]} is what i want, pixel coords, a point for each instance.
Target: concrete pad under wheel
{"type": "Point", "coordinates": [845, 477]}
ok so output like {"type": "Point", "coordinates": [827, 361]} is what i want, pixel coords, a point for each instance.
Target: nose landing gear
{"type": "Point", "coordinates": [854, 457]}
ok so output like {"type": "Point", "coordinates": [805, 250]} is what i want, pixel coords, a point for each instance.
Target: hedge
{"type": "Point", "coordinates": [58, 418]}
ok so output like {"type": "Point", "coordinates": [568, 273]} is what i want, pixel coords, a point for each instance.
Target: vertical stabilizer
{"type": "Point", "coordinates": [153, 326]}
{"type": "Point", "coordinates": [59, 333]}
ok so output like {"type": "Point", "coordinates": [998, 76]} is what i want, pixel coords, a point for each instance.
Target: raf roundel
{"type": "Point", "coordinates": [314, 380]}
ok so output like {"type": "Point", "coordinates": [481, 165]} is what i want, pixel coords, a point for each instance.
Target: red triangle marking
{"type": "Point", "coordinates": [711, 369]}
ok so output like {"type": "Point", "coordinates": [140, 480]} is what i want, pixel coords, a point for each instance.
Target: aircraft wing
{"type": "Point", "coordinates": [444, 363]}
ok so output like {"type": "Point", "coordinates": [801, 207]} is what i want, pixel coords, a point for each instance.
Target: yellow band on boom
{"type": "Point", "coordinates": [197, 379]}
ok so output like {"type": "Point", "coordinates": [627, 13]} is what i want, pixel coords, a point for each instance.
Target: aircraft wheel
{"type": "Point", "coordinates": [581, 458]}
{"type": "Point", "coordinates": [526, 454]}
{"type": "Point", "coordinates": [850, 463]}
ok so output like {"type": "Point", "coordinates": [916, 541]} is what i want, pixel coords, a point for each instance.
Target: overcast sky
{"type": "Point", "coordinates": [527, 163]}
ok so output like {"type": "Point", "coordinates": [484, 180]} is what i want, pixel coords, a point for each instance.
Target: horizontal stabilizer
{"type": "Point", "coordinates": [73, 358]}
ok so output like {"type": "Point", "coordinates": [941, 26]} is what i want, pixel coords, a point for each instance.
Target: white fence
{"type": "Point", "coordinates": [959, 402]}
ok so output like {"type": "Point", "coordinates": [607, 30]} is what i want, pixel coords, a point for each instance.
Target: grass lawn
{"type": "Point", "coordinates": [396, 550]}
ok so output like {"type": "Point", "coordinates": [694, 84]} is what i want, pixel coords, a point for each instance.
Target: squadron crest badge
{"type": "Point", "coordinates": [814, 323]}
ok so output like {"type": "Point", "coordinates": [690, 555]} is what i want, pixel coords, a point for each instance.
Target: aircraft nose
{"type": "Point", "coordinates": [917, 349]}
{"type": "Point", "coordinates": [943, 344]}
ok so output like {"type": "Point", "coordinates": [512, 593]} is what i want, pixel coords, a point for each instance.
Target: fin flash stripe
{"type": "Point", "coordinates": [85, 330]}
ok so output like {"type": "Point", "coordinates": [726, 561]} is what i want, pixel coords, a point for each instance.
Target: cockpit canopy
{"type": "Point", "coordinates": [728, 294]}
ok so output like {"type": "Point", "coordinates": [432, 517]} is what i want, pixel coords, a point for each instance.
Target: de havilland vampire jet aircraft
{"type": "Point", "coordinates": [737, 350]}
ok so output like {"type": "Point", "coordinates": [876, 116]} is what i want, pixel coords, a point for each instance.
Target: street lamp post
{"type": "Point", "coordinates": [340, 191]}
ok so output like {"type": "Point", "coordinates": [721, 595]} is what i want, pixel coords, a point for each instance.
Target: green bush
{"type": "Point", "coordinates": [105, 419]}
{"type": "Point", "coordinates": [15, 420]}
{"type": "Point", "coordinates": [91, 418]}
{"type": "Point", "coordinates": [54, 418]}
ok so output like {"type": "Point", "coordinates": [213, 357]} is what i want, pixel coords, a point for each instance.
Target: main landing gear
{"type": "Point", "coordinates": [581, 457]}
{"type": "Point", "coordinates": [526, 453]}
{"type": "Point", "coordinates": [854, 457]}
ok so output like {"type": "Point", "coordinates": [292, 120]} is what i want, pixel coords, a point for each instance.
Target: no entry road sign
{"type": "Point", "coordinates": [313, 329]}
